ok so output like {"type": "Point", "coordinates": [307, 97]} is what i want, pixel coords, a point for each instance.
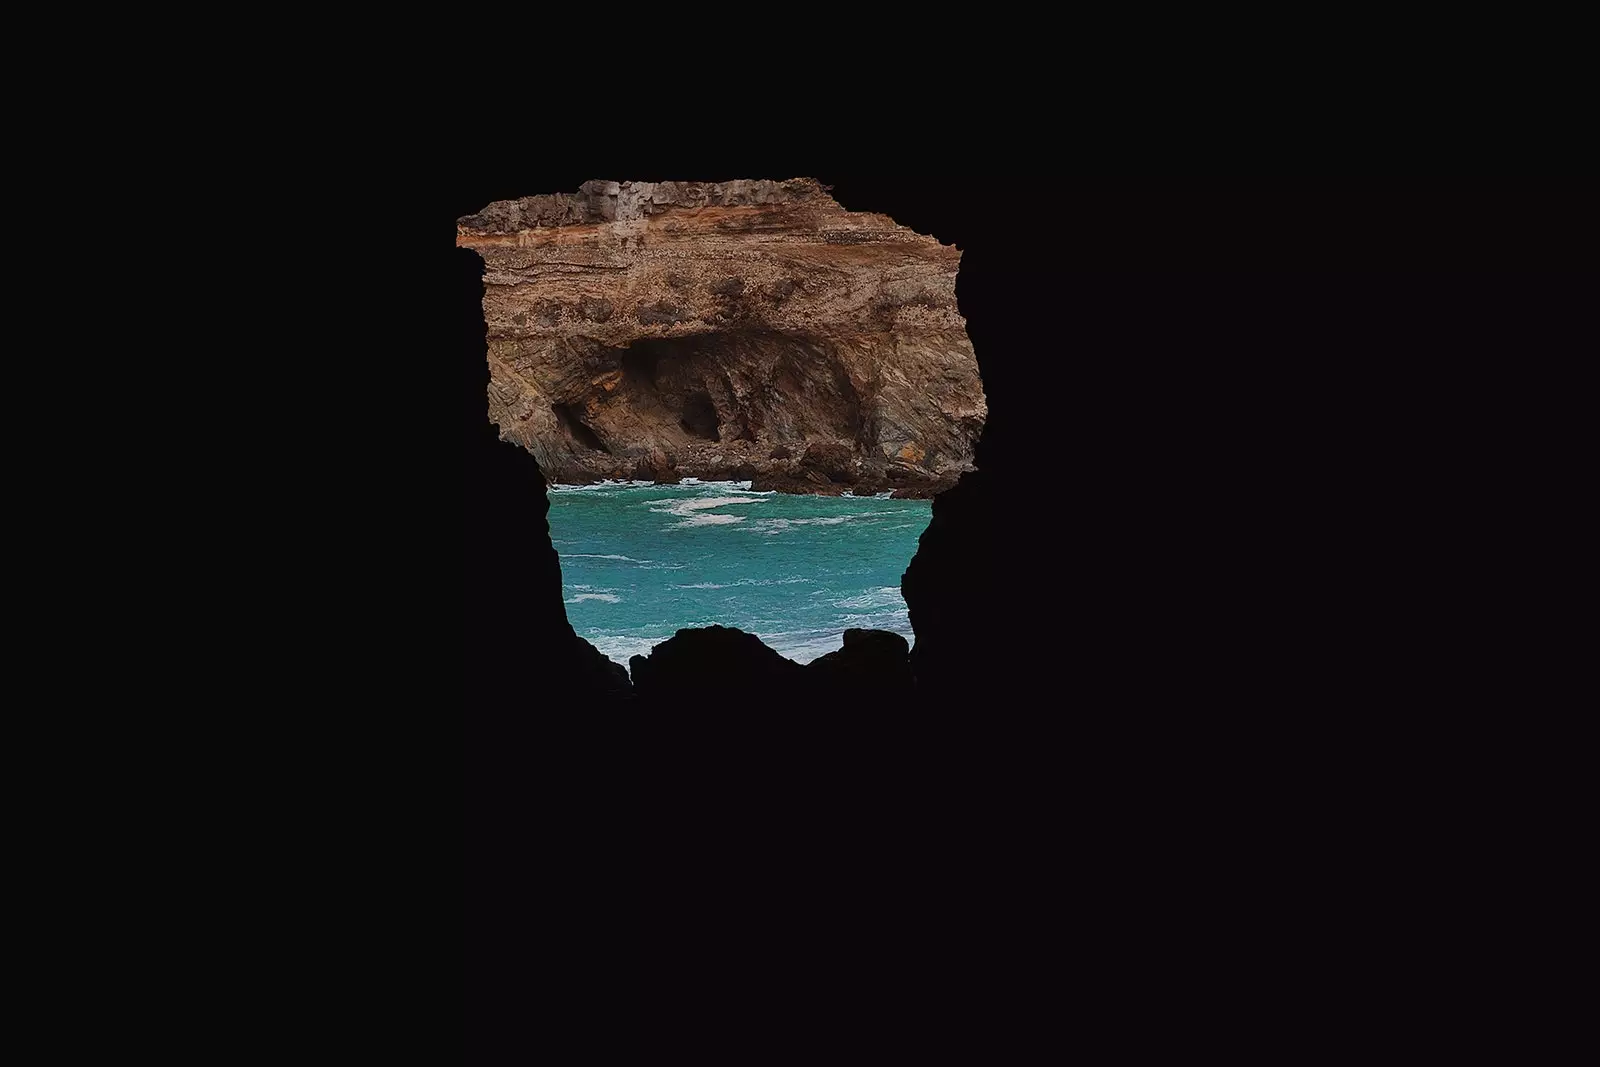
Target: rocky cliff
{"type": "Point", "coordinates": [744, 329]}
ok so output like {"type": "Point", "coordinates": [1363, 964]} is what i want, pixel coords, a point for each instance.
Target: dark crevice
{"type": "Point", "coordinates": [577, 429]}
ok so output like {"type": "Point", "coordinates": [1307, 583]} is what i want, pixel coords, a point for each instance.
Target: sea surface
{"type": "Point", "coordinates": [641, 561]}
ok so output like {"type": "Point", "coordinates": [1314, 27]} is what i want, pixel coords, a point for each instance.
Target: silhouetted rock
{"type": "Point", "coordinates": [596, 673]}
{"type": "Point", "coordinates": [715, 666]}
{"type": "Point", "coordinates": [545, 720]}
{"type": "Point", "coordinates": [949, 589]}
{"type": "Point", "coordinates": [1164, 753]}
{"type": "Point", "coordinates": [875, 661]}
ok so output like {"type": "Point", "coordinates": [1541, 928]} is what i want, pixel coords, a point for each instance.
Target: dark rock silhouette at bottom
{"type": "Point", "coordinates": [715, 664]}
{"type": "Point", "coordinates": [876, 661]}
{"type": "Point", "coordinates": [697, 662]}
{"type": "Point", "coordinates": [600, 675]}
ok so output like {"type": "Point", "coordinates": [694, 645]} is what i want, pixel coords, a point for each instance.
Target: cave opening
{"type": "Point", "coordinates": [748, 385]}
{"type": "Point", "coordinates": [700, 417]}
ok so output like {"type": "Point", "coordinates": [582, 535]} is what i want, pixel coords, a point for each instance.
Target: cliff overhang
{"type": "Point", "coordinates": [731, 330]}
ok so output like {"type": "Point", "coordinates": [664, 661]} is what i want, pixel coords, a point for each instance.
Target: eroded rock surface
{"type": "Point", "coordinates": [745, 329]}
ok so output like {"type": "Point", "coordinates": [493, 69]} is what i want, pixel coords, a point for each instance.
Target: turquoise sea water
{"type": "Point", "coordinates": [640, 561]}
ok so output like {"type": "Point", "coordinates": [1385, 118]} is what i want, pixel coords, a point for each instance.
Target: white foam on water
{"type": "Point", "coordinates": [596, 487]}
{"type": "Point", "coordinates": [619, 647]}
{"type": "Point", "coordinates": [689, 505]}
{"type": "Point", "coordinates": [882, 597]}
{"type": "Point", "coordinates": [609, 598]}
{"type": "Point", "coordinates": [775, 526]}
{"type": "Point", "coordinates": [748, 581]}
{"type": "Point", "coordinates": [878, 620]}
{"type": "Point", "coordinates": [803, 646]}
{"type": "Point", "coordinates": [590, 555]}
{"type": "Point", "coordinates": [735, 485]}
{"type": "Point", "coordinates": [714, 519]}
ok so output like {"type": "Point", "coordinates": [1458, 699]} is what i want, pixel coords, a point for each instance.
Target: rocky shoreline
{"type": "Point", "coordinates": [797, 479]}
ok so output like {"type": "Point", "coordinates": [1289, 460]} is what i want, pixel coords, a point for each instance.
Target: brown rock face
{"type": "Point", "coordinates": [746, 329]}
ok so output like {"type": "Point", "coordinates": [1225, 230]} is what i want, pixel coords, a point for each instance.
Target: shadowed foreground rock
{"type": "Point", "coordinates": [871, 661]}
{"type": "Point", "coordinates": [1170, 792]}
{"type": "Point", "coordinates": [949, 592]}
{"type": "Point", "coordinates": [718, 667]}
{"type": "Point", "coordinates": [707, 663]}
{"type": "Point", "coordinates": [604, 677]}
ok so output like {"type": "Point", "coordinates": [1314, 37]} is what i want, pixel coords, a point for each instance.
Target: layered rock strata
{"type": "Point", "coordinates": [744, 329]}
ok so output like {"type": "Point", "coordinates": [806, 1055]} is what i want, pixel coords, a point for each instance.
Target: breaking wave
{"type": "Point", "coordinates": [609, 598]}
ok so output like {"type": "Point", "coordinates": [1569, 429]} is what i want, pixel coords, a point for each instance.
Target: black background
{"type": "Point", "coordinates": [1235, 474]}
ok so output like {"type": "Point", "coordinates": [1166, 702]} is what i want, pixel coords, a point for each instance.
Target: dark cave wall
{"type": "Point", "coordinates": [1157, 765]}
{"type": "Point", "coordinates": [1164, 365]}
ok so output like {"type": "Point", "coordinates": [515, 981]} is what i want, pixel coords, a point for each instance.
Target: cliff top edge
{"type": "Point", "coordinates": [600, 201]}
